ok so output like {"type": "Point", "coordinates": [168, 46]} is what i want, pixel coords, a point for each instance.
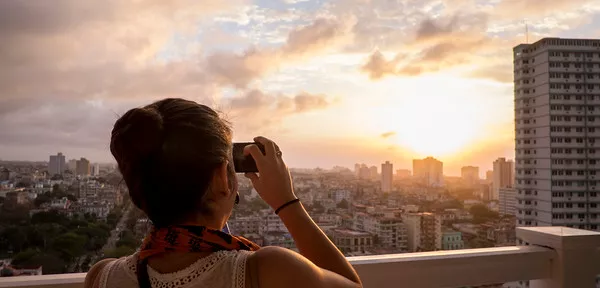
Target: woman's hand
{"type": "Point", "coordinates": [273, 183]}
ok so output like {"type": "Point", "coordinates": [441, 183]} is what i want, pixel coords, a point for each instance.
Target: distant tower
{"type": "Point", "coordinates": [387, 176]}
{"type": "Point", "coordinates": [57, 165]}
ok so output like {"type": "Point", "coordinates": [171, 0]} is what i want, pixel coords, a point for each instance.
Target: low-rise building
{"type": "Point", "coordinates": [452, 240]}
{"type": "Point", "coordinates": [349, 241]}
{"type": "Point", "coordinates": [281, 239]}
{"type": "Point", "coordinates": [339, 195]}
{"type": "Point", "coordinates": [391, 232]}
{"type": "Point", "coordinates": [101, 210]}
{"type": "Point", "coordinates": [245, 225]}
{"type": "Point", "coordinates": [272, 223]}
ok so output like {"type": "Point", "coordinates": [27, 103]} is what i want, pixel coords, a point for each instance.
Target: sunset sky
{"type": "Point", "coordinates": [333, 82]}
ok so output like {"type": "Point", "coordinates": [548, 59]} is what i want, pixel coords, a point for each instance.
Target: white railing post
{"type": "Point", "coordinates": [577, 260]}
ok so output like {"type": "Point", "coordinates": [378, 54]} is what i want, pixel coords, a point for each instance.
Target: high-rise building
{"type": "Point", "coordinates": [470, 175]}
{"type": "Point", "coordinates": [557, 128]}
{"type": "Point", "coordinates": [403, 173]}
{"type": "Point", "coordinates": [363, 172]}
{"type": "Point", "coordinates": [95, 169]}
{"type": "Point", "coordinates": [57, 164]}
{"type": "Point", "coordinates": [387, 176]}
{"type": "Point", "coordinates": [507, 201]}
{"type": "Point", "coordinates": [373, 174]}
{"type": "Point", "coordinates": [489, 176]}
{"type": "Point", "coordinates": [72, 165]}
{"type": "Point", "coordinates": [424, 231]}
{"type": "Point", "coordinates": [429, 172]}
{"type": "Point", "coordinates": [504, 176]}
{"type": "Point", "coordinates": [83, 167]}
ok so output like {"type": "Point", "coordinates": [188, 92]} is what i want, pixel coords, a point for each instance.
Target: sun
{"type": "Point", "coordinates": [437, 116]}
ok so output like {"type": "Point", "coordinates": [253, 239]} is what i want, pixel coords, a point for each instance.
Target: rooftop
{"type": "Point", "coordinates": [348, 232]}
{"type": "Point", "coordinates": [555, 257]}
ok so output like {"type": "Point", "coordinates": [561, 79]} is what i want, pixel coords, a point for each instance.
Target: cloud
{"type": "Point", "coordinates": [535, 9]}
{"type": "Point", "coordinates": [319, 35]}
{"type": "Point", "coordinates": [430, 28]}
{"type": "Point", "coordinates": [377, 66]}
{"type": "Point", "coordinates": [388, 134]}
{"type": "Point", "coordinates": [266, 109]}
{"type": "Point", "coordinates": [61, 59]}
{"type": "Point", "coordinates": [438, 44]}
{"type": "Point", "coordinates": [240, 69]}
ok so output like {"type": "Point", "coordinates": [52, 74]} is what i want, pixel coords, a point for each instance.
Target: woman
{"type": "Point", "coordinates": [175, 157]}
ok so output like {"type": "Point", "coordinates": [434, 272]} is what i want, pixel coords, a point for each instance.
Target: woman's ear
{"type": "Point", "coordinates": [221, 181]}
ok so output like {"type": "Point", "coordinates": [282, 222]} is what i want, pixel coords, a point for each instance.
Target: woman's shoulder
{"type": "Point", "coordinates": [92, 278]}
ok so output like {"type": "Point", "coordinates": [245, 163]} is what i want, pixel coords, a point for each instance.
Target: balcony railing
{"type": "Point", "coordinates": [556, 257]}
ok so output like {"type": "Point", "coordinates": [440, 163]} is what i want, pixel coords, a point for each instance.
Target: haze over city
{"type": "Point", "coordinates": [334, 82]}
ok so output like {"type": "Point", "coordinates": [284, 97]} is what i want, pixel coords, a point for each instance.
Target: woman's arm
{"type": "Point", "coordinates": [275, 186]}
{"type": "Point", "coordinates": [313, 243]}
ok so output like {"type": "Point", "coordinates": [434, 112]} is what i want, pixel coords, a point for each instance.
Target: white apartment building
{"type": "Point", "coordinates": [557, 129]}
{"type": "Point", "coordinates": [271, 223]}
{"type": "Point", "coordinates": [245, 225]}
{"type": "Point", "coordinates": [504, 176]}
{"type": "Point", "coordinates": [429, 172]}
{"type": "Point", "coordinates": [508, 201]}
{"type": "Point", "coordinates": [424, 231]}
{"type": "Point", "coordinates": [387, 176]}
{"type": "Point", "coordinates": [391, 232]}
{"type": "Point", "coordinates": [342, 194]}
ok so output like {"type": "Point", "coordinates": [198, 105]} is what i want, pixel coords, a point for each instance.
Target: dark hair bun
{"type": "Point", "coordinates": [138, 134]}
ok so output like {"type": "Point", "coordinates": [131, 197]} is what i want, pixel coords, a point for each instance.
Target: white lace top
{"type": "Point", "coordinates": [224, 269]}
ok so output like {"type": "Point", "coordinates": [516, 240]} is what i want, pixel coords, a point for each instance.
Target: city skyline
{"type": "Point", "coordinates": [334, 83]}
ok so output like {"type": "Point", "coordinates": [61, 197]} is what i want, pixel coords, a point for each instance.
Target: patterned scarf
{"type": "Point", "coordinates": [186, 238]}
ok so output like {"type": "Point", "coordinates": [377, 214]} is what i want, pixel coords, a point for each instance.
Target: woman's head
{"type": "Point", "coordinates": [174, 155]}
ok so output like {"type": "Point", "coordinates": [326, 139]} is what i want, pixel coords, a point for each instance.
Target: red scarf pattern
{"type": "Point", "coordinates": [186, 238]}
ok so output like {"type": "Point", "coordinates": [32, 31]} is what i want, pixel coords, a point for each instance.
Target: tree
{"type": "Point", "coordinates": [119, 252]}
{"type": "Point", "coordinates": [41, 199]}
{"type": "Point", "coordinates": [56, 189]}
{"type": "Point", "coordinates": [40, 235]}
{"type": "Point", "coordinates": [15, 237]}
{"type": "Point", "coordinates": [51, 264]}
{"type": "Point", "coordinates": [317, 206]}
{"type": "Point", "coordinates": [52, 216]}
{"type": "Point", "coordinates": [127, 239]}
{"type": "Point", "coordinates": [343, 204]}
{"type": "Point", "coordinates": [24, 256]}
{"type": "Point", "coordinates": [69, 245]}
{"type": "Point", "coordinates": [482, 214]}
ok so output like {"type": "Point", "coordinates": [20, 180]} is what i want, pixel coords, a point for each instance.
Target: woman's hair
{"type": "Point", "coordinates": [167, 152]}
